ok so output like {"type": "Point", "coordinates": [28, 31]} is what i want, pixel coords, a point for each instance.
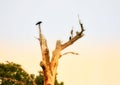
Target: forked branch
{"type": "Point", "coordinates": [50, 66]}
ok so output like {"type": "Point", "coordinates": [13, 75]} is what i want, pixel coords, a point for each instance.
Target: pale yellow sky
{"type": "Point", "coordinates": [95, 64]}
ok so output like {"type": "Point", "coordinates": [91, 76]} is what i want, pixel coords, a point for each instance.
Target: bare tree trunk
{"type": "Point", "coordinates": [50, 66]}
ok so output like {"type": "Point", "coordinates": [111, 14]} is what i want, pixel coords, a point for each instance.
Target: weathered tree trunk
{"type": "Point", "coordinates": [50, 66]}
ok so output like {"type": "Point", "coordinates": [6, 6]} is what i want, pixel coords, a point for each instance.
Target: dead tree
{"type": "Point", "coordinates": [49, 66]}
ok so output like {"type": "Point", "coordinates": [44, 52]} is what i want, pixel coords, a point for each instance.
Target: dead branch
{"type": "Point", "coordinates": [43, 45]}
{"type": "Point", "coordinates": [69, 53]}
{"type": "Point", "coordinates": [75, 38]}
{"type": "Point", "coordinates": [81, 25]}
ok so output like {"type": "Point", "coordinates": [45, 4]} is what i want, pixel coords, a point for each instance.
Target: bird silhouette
{"type": "Point", "coordinates": [71, 33]}
{"type": "Point", "coordinates": [70, 38]}
{"type": "Point", "coordinates": [39, 22]}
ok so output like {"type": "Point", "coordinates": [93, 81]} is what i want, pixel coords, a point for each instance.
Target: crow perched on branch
{"type": "Point", "coordinates": [38, 22]}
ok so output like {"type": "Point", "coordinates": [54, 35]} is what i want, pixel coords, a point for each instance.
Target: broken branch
{"type": "Point", "coordinates": [69, 53]}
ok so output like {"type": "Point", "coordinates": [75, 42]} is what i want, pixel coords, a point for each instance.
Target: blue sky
{"type": "Point", "coordinates": [101, 20]}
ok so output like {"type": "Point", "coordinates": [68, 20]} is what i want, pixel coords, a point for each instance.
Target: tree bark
{"type": "Point", "coordinates": [50, 66]}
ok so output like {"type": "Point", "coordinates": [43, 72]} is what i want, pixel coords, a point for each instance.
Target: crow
{"type": "Point", "coordinates": [39, 22]}
{"type": "Point", "coordinates": [70, 38]}
{"type": "Point", "coordinates": [71, 33]}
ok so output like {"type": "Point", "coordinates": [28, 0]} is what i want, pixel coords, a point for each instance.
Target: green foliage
{"type": "Point", "coordinates": [13, 74]}
{"type": "Point", "coordinates": [39, 79]}
{"type": "Point", "coordinates": [57, 83]}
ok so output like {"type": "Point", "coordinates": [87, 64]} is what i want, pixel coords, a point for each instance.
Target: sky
{"type": "Point", "coordinates": [99, 56]}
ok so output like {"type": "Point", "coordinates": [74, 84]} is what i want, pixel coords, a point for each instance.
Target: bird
{"type": "Point", "coordinates": [70, 38]}
{"type": "Point", "coordinates": [72, 33]}
{"type": "Point", "coordinates": [39, 22]}
{"type": "Point", "coordinates": [77, 32]}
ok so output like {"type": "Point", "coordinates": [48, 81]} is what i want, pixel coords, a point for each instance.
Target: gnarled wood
{"type": "Point", "coordinates": [50, 67]}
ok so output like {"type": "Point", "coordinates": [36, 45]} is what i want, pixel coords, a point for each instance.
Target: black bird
{"type": "Point", "coordinates": [38, 22]}
{"type": "Point", "coordinates": [71, 33]}
{"type": "Point", "coordinates": [70, 38]}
